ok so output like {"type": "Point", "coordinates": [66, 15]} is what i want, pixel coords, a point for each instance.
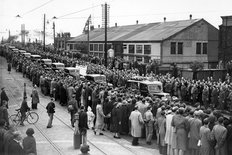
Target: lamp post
{"type": "Point", "coordinates": [54, 33]}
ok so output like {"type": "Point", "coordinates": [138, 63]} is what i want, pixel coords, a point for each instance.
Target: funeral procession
{"type": "Point", "coordinates": [115, 77]}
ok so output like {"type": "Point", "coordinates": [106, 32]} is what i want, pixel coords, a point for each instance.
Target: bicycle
{"type": "Point", "coordinates": [31, 117]}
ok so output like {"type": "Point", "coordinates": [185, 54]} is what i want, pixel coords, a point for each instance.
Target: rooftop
{"type": "Point", "coordinates": [139, 32]}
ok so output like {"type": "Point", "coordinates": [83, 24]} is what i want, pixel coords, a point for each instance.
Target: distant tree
{"type": "Point", "coordinates": [196, 66]}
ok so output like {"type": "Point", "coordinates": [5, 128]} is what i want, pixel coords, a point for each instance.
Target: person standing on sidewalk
{"type": "Point", "coordinates": [72, 108]}
{"type": "Point", "coordinates": [9, 67]}
{"type": "Point", "coordinates": [149, 123]}
{"type": "Point", "coordinates": [4, 97]}
{"type": "Point", "coordinates": [34, 98]}
{"type": "Point", "coordinates": [50, 110]}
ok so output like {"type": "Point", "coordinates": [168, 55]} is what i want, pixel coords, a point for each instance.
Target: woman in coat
{"type": "Point", "coordinates": [180, 124]}
{"type": "Point", "coordinates": [161, 122]}
{"type": "Point", "coordinates": [99, 119]}
{"type": "Point", "coordinates": [29, 143]}
{"type": "Point", "coordinates": [35, 98]}
{"type": "Point", "coordinates": [136, 125]}
{"type": "Point", "coordinates": [116, 119]}
{"type": "Point", "coordinates": [205, 146]}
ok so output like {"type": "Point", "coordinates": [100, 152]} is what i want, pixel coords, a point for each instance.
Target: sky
{"type": "Point", "coordinates": [73, 14]}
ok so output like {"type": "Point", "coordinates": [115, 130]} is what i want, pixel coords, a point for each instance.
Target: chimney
{"type": "Point", "coordinates": [190, 17]}
{"type": "Point", "coordinates": [98, 26]}
{"type": "Point", "coordinates": [137, 22]}
{"type": "Point", "coordinates": [164, 19]}
{"type": "Point", "coordinates": [116, 25]}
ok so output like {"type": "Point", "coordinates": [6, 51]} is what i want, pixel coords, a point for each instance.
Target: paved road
{"type": "Point", "coordinates": [58, 140]}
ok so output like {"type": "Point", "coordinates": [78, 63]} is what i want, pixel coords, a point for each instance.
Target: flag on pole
{"type": "Point", "coordinates": [85, 30]}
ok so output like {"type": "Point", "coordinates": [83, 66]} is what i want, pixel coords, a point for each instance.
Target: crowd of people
{"type": "Point", "coordinates": [178, 127]}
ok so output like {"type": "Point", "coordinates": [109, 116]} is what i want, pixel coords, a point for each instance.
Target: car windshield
{"type": "Point", "coordinates": [154, 88]}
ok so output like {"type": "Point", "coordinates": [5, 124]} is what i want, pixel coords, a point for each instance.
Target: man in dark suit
{"type": "Point", "coordinates": [83, 123]}
{"type": "Point", "coordinates": [14, 145]}
{"type": "Point", "coordinates": [23, 109]}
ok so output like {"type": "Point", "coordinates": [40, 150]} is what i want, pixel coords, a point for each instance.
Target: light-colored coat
{"type": "Point", "coordinates": [100, 117]}
{"type": "Point", "coordinates": [136, 123]}
{"type": "Point", "coordinates": [169, 132]}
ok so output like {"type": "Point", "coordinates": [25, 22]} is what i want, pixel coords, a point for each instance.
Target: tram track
{"type": "Point", "coordinates": [63, 122]}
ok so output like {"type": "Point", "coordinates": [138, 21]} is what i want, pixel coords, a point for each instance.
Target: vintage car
{"type": "Point", "coordinates": [57, 65]}
{"type": "Point", "coordinates": [148, 87]}
{"type": "Point", "coordinates": [98, 78]}
{"type": "Point", "coordinates": [45, 62]}
{"type": "Point", "coordinates": [75, 72]}
{"type": "Point", "coordinates": [35, 57]}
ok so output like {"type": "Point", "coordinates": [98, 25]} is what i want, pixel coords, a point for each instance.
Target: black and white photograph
{"type": "Point", "coordinates": [115, 77]}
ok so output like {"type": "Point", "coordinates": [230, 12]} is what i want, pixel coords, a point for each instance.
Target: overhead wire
{"type": "Point", "coordinates": [37, 8]}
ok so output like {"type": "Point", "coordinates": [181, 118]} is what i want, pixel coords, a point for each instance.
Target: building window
{"type": "Point", "coordinates": [95, 47]}
{"type": "Point", "coordinates": [139, 59]}
{"type": "Point", "coordinates": [139, 49]}
{"type": "Point", "coordinates": [131, 58]}
{"type": "Point", "coordinates": [180, 48]}
{"type": "Point", "coordinates": [124, 46]}
{"type": "Point", "coordinates": [147, 49]}
{"type": "Point", "coordinates": [132, 49]}
{"type": "Point", "coordinates": [147, 59]}
{"type": "Point", "coordinates": [205, 48]}
{"type": "Point", "coordinates": [173, 47]}
{"type": "Point", "coordinates": [100, 47]}
{"type": "Point", "coordinates": [91, 47]}
{"type": "Point", "coordinates": [198, 48]}
{"type": "Point", "coordinates": [71, 46]}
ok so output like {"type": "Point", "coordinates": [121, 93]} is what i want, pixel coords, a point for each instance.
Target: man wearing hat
{"type": "Point", "coordinates": [29, 143]}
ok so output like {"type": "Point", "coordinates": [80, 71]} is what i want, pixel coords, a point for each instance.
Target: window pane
{"type": "Point", "coordinates": [147, 49]}
{"type": "Point", "coordinates": [139, 49]}
{"type": "Point", "coordinates": [91, 47]}
{"type": "Point", "coordinates": [95, 47]}
{"type": "Point", "coordinates": [147, 59]}
{"type": "Point", "coordinates": [131, 48]}
{"type": "Point", "coordinates": [173, 47]}
{"type": "Point", "coordinates": [100, 47]}
{"type": "Point", "coordinates": [198, 48]}
{"type": "Point", "coordinates": [205, 48]}
{"type": "Point", "coordinates": [180, 48]}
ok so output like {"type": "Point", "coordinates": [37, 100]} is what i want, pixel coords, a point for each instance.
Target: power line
{"type": "Point", "coordinates": [78, 11]}
{"type": "Point", "coordinates": [37, 8]}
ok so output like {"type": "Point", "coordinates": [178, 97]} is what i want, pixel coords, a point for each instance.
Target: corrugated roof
{"type": "Point", "coordinates": [139, 32]}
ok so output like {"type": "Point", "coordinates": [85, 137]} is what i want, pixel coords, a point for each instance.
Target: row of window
{"type": "Point", "coordinates": [177, 48]}
{"type": "Point", "coordinates": [139, 49]}
{"type": "Point", "coordinates": [98, 47]}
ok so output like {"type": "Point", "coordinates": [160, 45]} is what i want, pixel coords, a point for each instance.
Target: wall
{"type": "Point", "coordinates": [195, 33]}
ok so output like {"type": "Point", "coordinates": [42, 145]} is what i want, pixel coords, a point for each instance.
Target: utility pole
{"type": "Point", "coordinates": [105, 34]}
{"type": "Point", "coordinates": [44, 32]}
{"type": "Point", "coordinates": [54, 35]}
{"type": "Point", "coordinates": [88, 37]}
